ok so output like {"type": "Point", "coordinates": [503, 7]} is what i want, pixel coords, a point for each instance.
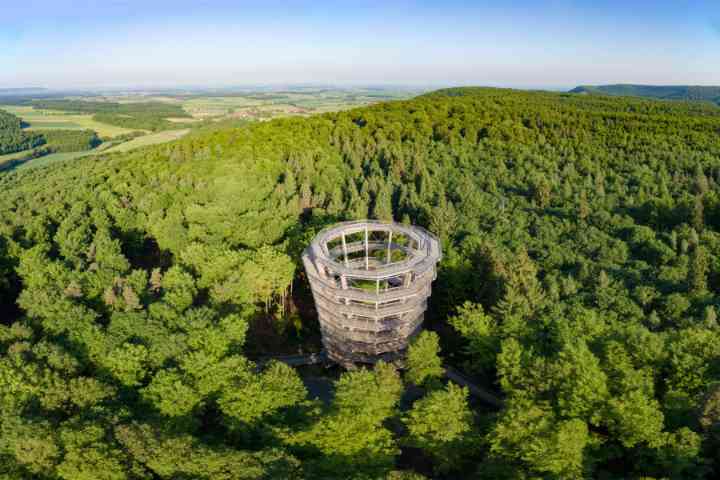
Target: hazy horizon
{"type": "Point", "coordinates": [219, 43]}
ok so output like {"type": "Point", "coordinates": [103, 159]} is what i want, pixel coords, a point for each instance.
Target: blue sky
{"type": "Point", "coordinates": [560, 43]}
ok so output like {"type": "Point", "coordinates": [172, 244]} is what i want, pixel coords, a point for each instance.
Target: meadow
{"type": "Point", "coordinates": [52, 158]}
{"type": "Point", "coordinates": [50, 120]}
{"type": "Point", "coordinates": [146, 140]}
{"type": "Point", "coordinates": [7, 161]}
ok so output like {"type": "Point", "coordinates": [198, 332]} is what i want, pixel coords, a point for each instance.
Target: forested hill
{"type": "Point", "coordinates": [580, 278]}
{"type": "Point", "coordinates": [671, 92]}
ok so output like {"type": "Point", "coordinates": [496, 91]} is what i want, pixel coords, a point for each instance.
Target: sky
{"type": "Point", "coordinates": [522, 44]}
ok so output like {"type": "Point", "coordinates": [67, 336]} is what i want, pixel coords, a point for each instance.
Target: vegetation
{"type": "Point", "coordinates": [60, 141]}
{"type": "Point", "coordinates": [298, 101]}
{"type": "Point", "coordinates": [580, 278]}
{"type": "Point", "coordinates": [34, 119]}
{"type": "Point", "coordinates": [424, 365]}
{"type": "Point", "coordinates": [674, 92]}
{"type": "Point", "coordinates": [145, 140]}
{"type": "Point", "coordinates": [18, 145]}
{"type": "Point", "coordinates": [13, 138]}
{"type": "Point", "coordinates": [137, 116]}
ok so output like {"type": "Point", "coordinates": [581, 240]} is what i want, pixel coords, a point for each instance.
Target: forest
{"type": "Point", "coordinates": [13, 138]}
{"type": "Point", "coordinates": [140, 291]}
{"type": "Point", "coordinates": [58, 141]}
{"type": "Point", "coordinates": [37, 143]}
{"type": "Point", "coordinates": [669, 92]}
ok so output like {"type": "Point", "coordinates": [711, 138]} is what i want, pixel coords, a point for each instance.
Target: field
{"type": "Point", "coordinates": [20, 160]}
{"type": "Point", "coordinates": [262, 105]}
{"type": "Point", "coordinates": [250, 104]}
{"type": "Point", "coordinates": [242, 104]}
{"type": "Point", "coordinates": [7, 161]}
{"type": "Point", "coordinates": [52, 158]}
{"type": "Point", "coordinates": [13, 156]}
{"type": "Point", "coordinates": [46, 120]}
{"type": "Point", "coordinates": [152, 139]}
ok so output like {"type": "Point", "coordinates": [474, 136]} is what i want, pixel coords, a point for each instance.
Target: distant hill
{"type": "Point", "coordinates": [668, 92]}
{"type": "Point", "coordinates": [22, 91]}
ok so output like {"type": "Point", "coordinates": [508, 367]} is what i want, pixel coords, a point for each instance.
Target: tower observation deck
{"type": "Point", "coordinates": [371, 281]}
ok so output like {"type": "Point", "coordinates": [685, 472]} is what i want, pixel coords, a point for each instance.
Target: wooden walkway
{"type": "Point", "coordinates": [484, 395]}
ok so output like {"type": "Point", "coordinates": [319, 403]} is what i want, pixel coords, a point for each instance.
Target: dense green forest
{"type": "Point", "coordinates": [69, 140]}
{"type": "Point", "coordinates": [151, 116]}
{"type": "Point", "coordinates": [13, 138]}
{"type": "Point", "coordinates": [580, 279]}
{"type": "Point", "coordinates": [668, 92]}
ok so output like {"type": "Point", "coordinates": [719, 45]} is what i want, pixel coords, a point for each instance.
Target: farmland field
{"type": "Point", "coordinates": [152, 139]}
{"type": "Point", "coordinates": [147, 140]}
{"type": "Point", "coordinates": [202, 106]}
{"type": "Point", "coordinates": [52, 158]}
{"type": "Point", "coordinates": [271, 104]}
{"type": "Point", "coordinates": [13, 158]}
{"type": "Point", "coordinates": [47, 120]}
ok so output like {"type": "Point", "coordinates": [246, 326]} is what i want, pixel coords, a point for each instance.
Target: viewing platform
{"type": "Point", "coordinates": [370, 282]}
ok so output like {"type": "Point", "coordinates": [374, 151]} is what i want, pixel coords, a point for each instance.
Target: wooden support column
{"type": "Point", "coordinates": [345, 250]}
{"type": "Point", "coordinates": [377, 292]}
{"type": "Point", "coordinates": [389, 257]}
{"type": "Point", "coordinates": [367, 250]}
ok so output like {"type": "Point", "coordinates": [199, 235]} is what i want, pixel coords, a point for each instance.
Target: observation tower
{"type": "Point", "coordinates": [370, 281]}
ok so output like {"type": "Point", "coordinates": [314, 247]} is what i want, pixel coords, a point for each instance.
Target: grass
{"type": "Point", "coordinates": [52, 158]}
{"type": "Point", "coordinates": [23, 160]}
{"type": "Point", "coordinates": [152, 139]}
{"type": "Point", "coordinates": [47, 120]}
{"type": "Point", "coordinates": [9, 157]}
{"type": "Point", "coordinates": [183, 120]}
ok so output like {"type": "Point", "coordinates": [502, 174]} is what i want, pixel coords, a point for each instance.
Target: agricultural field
{"type": "Point", "coordinates": [146, 140]}
{"type": "Point", "coordinates": [200, 108]}
{"type": "Point", "coordinates": [51, 119]}
{"type": "Point", "coordinates": [266, 103]}
{"type": "Point", "coordinates": [7, 160]}
{"type": "Point", "coordinates": [52, 158]}
{"type": "Point", "coordinates": [301, 102]}
{"type": "Point", "coordinates": [250, 104]}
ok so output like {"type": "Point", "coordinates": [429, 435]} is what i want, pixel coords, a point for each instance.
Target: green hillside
{"type": "Point", "coordinates": [673, 92]}
{"type": "Point", "coordinates": [580, 280]}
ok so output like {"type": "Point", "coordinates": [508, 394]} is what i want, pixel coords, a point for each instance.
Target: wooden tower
{"type": "Point", "coordinates": [370, 282]}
